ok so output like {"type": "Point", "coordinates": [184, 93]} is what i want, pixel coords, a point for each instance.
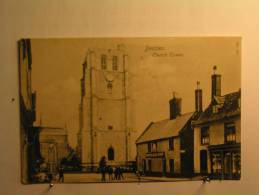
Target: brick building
{"type": "Point", "coordinates": [217, 135]}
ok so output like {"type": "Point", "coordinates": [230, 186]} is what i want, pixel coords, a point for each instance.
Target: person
{"type": "Point", "coordinates": [110, 171]}
{"type": "Point", "coordinates": [116, 173]}
{"type": "Point", "coordinates": [50, 177]}
{"type": "Point", "coordinates": [61, 174]}
{"type": "Point", "coordinates": [102, 168]}
{"type": "Point", "coordinates": [121, 173]}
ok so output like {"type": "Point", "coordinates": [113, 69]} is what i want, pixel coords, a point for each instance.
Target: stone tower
{"type": "Point", "coordinates": [103, 116]}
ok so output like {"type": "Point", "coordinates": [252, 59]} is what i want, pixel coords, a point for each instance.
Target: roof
{"type": "Point", "coordinates": [227, 105]}
{"type": "Point", "coordinates": [164, 128]}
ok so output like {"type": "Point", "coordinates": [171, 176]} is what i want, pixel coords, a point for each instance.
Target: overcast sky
{"type": "Point", "coordinates": [157, 67]}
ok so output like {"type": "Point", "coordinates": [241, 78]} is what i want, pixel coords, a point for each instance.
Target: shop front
{"type": "Point", "coordinates": [225, 161]}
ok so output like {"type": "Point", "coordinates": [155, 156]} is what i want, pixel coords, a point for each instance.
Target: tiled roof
{"type": "Point", "coordinates": [227, 105]}
{"type": "Point", "coordinates": [164, 128]}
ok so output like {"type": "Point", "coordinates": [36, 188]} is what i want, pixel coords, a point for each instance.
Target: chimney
{"type": "Point", "coordinates": [175, 107]}
{"type": "Point", "coordinates": [215, 83]}
{"type": "Point", "coordinates": [198, 98]}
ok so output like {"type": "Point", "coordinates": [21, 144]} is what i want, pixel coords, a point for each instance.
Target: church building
{"type": "Point", "coordinates": [104, 128]}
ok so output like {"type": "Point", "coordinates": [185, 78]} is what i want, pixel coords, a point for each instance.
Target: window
{"type": "Point", "coordinates": [205, 135]}
{"type": "Point", "coordinates": [171, 144]}
{"type": "Point", "coordinates": [152, 147]}
{"type": "Point", "coordinates": [149, 147]}
{"type": "Point", "coordinates": [214, 109]}
{"type": "Point", "coordinates": [110, 127]}
{"type": "Point", "coordinates": [230, 133]}
{"type": "Point", "coordinates": [115, 63]}
{"type": "Point", "coordinates": [110, 154]}
{"type": "Point", "coordinates": [109, 86]}
{"type": "Point", "coordinates": [104, 61]}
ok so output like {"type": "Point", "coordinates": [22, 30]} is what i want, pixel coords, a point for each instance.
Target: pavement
{"type": "Point", "coordinates": [128, 177]}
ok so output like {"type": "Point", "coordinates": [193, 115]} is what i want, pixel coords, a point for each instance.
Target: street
{"type": "Point", "coordinates": [128, 177]}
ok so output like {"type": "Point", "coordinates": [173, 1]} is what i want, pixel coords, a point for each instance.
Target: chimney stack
{"type": "Point", "coordinates": [175, 107]}
{"type": "Point", "coordinates": [198, 98]}
{"type": "Point", "coordinates": [215, 83]}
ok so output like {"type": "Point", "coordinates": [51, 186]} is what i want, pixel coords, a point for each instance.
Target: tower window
{"type": "Point", "coordinates": [109, 85]}
{"type": "Point", "coordinates": [110, 153]}
{"type": "Point", "coordinates": [104, 61]}
{"type": "Point", "coordinates": [110, 127]}
{"type": "Point", "coordinates": [115, 63]}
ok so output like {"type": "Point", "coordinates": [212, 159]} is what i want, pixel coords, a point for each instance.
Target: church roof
{"type": "Point", "coordinates": [164, 129]}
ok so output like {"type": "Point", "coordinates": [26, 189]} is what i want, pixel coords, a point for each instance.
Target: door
{"type": "Point", "coordinates": [203, 162]}
{"type": "Point", "coordinates": [164, 166]}
{"type": "Point", "coordinates": [144, 165]}
{"type": "Point", "coordinates": [171, 164]}
{"type": "Point", "coordinates": [228, 166]}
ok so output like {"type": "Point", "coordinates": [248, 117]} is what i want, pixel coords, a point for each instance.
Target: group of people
{"type": "Point", "coordinates": [115, 173]}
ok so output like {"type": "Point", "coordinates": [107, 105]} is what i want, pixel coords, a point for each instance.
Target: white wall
{"type": "Point", "coordinates": [81, 18]}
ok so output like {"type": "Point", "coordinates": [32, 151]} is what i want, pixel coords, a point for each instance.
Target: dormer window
{"type": "Point", "coordinates": [215, 109]}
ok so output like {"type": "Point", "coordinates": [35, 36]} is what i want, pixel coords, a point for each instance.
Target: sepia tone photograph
{"type": "Point", "coordinates": [108, 110]}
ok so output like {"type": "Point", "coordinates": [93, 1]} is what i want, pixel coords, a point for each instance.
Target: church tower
{"type": "Point", "coordinates": [103, 112]}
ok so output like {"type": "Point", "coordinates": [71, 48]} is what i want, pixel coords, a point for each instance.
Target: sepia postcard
{"type": "Point", "coordinates": [100, 110]}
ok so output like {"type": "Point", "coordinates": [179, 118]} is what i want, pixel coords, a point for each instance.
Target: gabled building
{"type": "Point", "coordinates": [217, 135]}
{"type": "Point", "coordinates": [165, 148]}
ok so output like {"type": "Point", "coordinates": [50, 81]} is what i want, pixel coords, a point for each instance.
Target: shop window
{"type": "Point", "coordinates": [230, 133]}
{"type": "Point", "coordinates": [205, 135]}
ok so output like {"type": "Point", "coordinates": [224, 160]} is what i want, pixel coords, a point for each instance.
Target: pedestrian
{"type": "Point", "coordinates": [121, 173]}
{"type": "Point", "coordinates": [50, 177]}
{"type": "Point", "coordinates": [110, 171]}
{"type": "Point", "coordinates": [116, 173]}
{"type": "Point", "coordinates": [102, 168]}
{"type": "Point", "coordinates": [61, 175]}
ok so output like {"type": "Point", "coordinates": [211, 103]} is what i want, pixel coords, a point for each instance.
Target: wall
{"type": "Point", "coordinates": [48, 18]}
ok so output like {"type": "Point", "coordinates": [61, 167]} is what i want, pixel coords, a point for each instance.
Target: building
{"type": "Point", "coordinates": [103, 110]}
{"type": "Point", "coordinates": [30, 156]}
{"type": "Point", "coordinates": [165, 148]}
{"type": "Point", "coordinates": [217, 135]}
{"type": "Point", "coordinates": [53, 147]}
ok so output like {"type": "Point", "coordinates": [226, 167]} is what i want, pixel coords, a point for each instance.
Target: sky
{"type": "Point", "coordinates": [156, 68]}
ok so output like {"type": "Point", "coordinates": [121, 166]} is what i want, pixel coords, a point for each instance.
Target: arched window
{"type": "Point", "coordinates": [110, 153]}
